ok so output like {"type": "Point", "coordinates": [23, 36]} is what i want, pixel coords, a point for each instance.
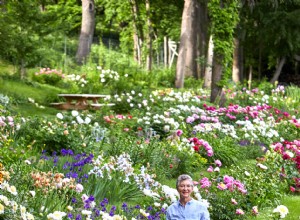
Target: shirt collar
{"type": "Point", "coordinates": [189, 202]}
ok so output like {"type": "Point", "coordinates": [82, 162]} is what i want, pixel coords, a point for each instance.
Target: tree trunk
{"type": "Point", "coordinates": [166, 51]}
{"type": "Point", "coordinates": [236, 62]}
{"type": "Point", "coordinates": [186, 63]}
{"type": "Point", "coordinates": [242, 61]}
{"type": "Point", "coordinates": [278, 70]}
{"type": "Point", "coordinates": [136, 38]}
{"type": "Point", "coordinates": [208, 69]}
{"type": "Point", "coordinates": [87, 30]}
{"type": "Point", "coordinates": [149, 38]}
{"type": "Point", "coordinates": [260, 62]}
{"type": "Point", "coordinates": [203, 37]}
{"type": "Point", "coordinates": [216, 90]}
{"type": "Point", "coordinates": [22, 69]}
{"type": "Point", "coordinates": [250, 77]}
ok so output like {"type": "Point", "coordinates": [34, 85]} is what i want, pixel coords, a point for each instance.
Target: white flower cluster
{"type": "Point", "coordinates": [180, 97]}
{"type": "Point", "coordinates": [123, 165]}
{"type": "Point", "coordinates": [108, 74]}
{"type": "Point", "coordinates": [170, 193]}
{"type": "Point", "coordinates": [101, 168]}
{"type": "Point", "coordinates": [57, 215]}
{"type": "Point", "coordinates": [145, 180]}
{"type": "Point", "coordinates": [77, 79]}
{"type": "Point", "coordinates": [134, 99]}
{"type": "Point", "coordinates": [258, 128]}
{"type": "Point", "coordinates": [78, 117]}
{"type": "Point", "coordinates": [223, 128]}
{"type": "Point", "coordinates": [168, 122]}
{"type": "Point", "coordinates": [11, 205]}
{"type": "Point", "coordinates": [4, 100]}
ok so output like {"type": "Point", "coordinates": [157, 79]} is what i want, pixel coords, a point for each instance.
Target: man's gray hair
{"type": "Point", "coordinates": [182, 178]}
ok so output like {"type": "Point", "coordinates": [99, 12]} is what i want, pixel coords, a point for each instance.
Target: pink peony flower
{"type": "Point", "coordinates": [233, 201]}
{"type": "Point", "coordinates": [210, 169]}
{"type": "Point", "coordinates": [239, 212]}
{"type": "Point", "coordinates": [218, 163]}
{"type": "Point", "coordinates": [254, 210]}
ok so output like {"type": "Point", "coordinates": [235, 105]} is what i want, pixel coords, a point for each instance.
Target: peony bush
{"type": "Point", "coordinates": [116, 165]}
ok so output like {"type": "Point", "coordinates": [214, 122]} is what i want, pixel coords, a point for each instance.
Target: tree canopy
{"type": "Point", "coordinates": [35, 32]}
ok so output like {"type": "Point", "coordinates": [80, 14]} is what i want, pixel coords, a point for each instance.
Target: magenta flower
{"type": "Point", "coordinates": [179, 132]}
{"type": "Point", "coordinates": [205, 183]}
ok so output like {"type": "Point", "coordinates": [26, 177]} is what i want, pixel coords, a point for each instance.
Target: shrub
{"type": "Point", "coordinates": [48, 76]}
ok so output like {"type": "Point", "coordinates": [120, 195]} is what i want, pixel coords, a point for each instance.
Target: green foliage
{"type": "Point", "coordinates": [182, 161]}
{"type": "Point", "coordinates": [267, 174]}
{"type": "Point", "coordinates": [192, 83]}
{"type": "Point", "coordinates": [293, 93]}
{"type": "Point", "coordinates": [225, 148]}
{"type": "Point", "coordinates": [224, 16]}
{"type": "Point", "coordinates": [71, 132]}
{"type": "Point", "coordinates": [19, 22]}
{"type": "Point", "coordinates": [48, 76]}
{"type": "Point", "coordinates": [19, 92]}
{"type": "Point", "coordinates": [113, 188]}
{"type": "Point", "coordinates": [272, 30]}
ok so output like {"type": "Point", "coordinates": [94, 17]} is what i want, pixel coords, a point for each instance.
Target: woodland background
{"type": "Point", "coordinates": [219, 42]}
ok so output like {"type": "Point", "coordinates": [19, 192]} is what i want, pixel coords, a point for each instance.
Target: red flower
{"type": "Point", "coordinates": [292, 189]}
{"type": "Point", "coordinates": [196, 148]}
{"type": "Point", "coordinates": [171, 166]}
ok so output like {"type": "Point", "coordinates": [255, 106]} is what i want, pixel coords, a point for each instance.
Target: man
{"type": "Point", "coordinates": [186, 208]}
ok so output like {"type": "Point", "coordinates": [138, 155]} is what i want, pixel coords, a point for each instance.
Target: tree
{"type": "Point", "coordinates": [186, 63]}
{"type": "Point", "coordinates": [137, 51]}
{"type": "Point", "coordinates": [138, 21]}
{"type": "Point", "coordinates": [224, 17]}
{"type": "Point", "coordinates": [87, 30]}
{"type": "Point", "coordinates": [19, 33]}
{"type": "Point", "coordinates": [272, 36]}
{"type": "Point", "coordinates": [149, 38]}
{"type": "Point", "coordinates": [236, 62]}
{"type": "Point", "coordinates": [209, 64]}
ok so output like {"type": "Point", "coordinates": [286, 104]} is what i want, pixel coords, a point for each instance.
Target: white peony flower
{"type": "Point", "coordinates": [60, 116]}
{"type": "Point", "coordinates": [74, 113]}
{"type": "Point", "coordinates": [282, 210]}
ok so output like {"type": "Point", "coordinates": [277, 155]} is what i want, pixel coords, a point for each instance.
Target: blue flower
{"type": "Point", "coordinates": [91, 198]}
{"type": "Point", "coordinates": [97, 212]}
{"type": "Point", "coordinates": [74, 200]}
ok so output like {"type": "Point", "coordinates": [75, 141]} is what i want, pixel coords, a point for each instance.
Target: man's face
{"type": "Point", "coordinates": [185, 188]}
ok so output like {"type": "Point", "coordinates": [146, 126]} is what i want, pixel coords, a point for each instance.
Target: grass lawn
{"type": "Point", "coordinates": [292, 202]}
{"type": "Point", "coordinates": [31, 110]}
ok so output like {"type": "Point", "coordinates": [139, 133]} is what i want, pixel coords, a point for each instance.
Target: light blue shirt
{"type": "Point", "coordinates": [193, 210]}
